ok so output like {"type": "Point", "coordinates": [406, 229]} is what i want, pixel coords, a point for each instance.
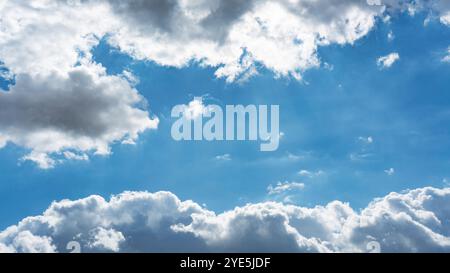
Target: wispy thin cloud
{"type": "Point", "coordinates": [224, 157]}
{"type": "Point", "coordinates": [390, 171]}
{"type": "Point", "coordinates": [283, 187]}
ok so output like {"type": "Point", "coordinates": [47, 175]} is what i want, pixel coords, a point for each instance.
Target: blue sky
{"type": "Point", "coordinates": [404, 109]}
{"type": "Point", "coordinates": [87, 90]}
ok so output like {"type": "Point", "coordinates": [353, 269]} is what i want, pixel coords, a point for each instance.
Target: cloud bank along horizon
{"type": "Point", "coordinates": [412, 221]}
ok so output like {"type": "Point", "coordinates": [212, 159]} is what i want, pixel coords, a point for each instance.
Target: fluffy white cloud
{"type": "Point", "coordinates": [107, 239]}
{"type": "Point", "coordinates": [84, 110]}
{"type": "Point", "coordinates": [236, 35]}
{"type": "Point", "coordinates": [388, 60]}
{"type": "Point", "coordinates": [62, 105]}
{"type": "Point", "coordinates": [412, 221]}
{"type": "Point", "coordinates": [46, 35]}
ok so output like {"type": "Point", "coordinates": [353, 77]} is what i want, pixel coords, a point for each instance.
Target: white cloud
{"type": "Point", "coordinates": [390, 171]}
{"type": "Point", "coordinates": [73, 156]}
{"type": "Point", "coordinates": [107, 239]}
{"type": "Point", "coordinates": [283, 187]}
{"type": "Point", "coordinates": [445, 19]}
{"type": "Point", "coordinates": [388, 61]}
{"type": "Point", "coordinates": [311, 174]}
{"type": "Point", "coordinates": [43, 160]}
{"type": "Point", "coordinates": [366, 140]}
{"type": "Point", "coordinates": [237, 36]}
{"type": "Point", "coordinates": [412, 221]}
{"type": "Point", "coordinates": [446, 58]}
{"type": "Point", "coordinates": [232, 36]}
{"type": "Point", "coordinates": [62, 105]}
{"type": "Point", "coordinates": [195, 109]}
{"type": "Point", "coordinates": [83, 111]}
{"type": "Point", "coordinates": [224, 157]}
{"type": "Point", "coordinates": [390, 36]}
{"type": "Point", "coordinates": [40, 37]}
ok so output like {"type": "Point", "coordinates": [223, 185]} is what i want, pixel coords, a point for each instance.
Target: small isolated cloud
{"type": "Point", "coordinates": [390, 36]}
{"type": "Point", "coordinates": [388, 61]}
{"type": "Point", "coordinates": [411, 221]}
{"type": "Point", "coordinates": [366, 140]}
{"type": "Point", "coordinates": [311, 174]}
{"type": "Point", "coordinates": [360, 156]}
{"type": "Point", "coordinates": [224, 157]}
{"type": "Point", "coordinates": [390, 171]}
{"type": "Point", "coordinates": [283, 187]}
{"type": "Point", "coordinates": [293, 157]}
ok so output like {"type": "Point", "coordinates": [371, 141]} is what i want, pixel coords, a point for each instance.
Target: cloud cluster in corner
{"type": "Point", "coordinates": [412, 221]}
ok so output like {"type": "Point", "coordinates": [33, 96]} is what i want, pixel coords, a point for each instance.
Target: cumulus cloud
{"type": "Point", "coordinates": [106, 239]}
{"type": "Point", "coordinates": [411, 221]}
{"type": "Point", "coordinates": [388, 60]}
{"type": "Point", "coordinates": [84, 110]}
{"type": "Point", "coordinates": [236, 35]}
{"type": "Point", "coordinates": [62, 105]}
{"type": "Point", "coordinates": [39, 37]}
{"type": "Point", "coordinates": [233, 36]}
